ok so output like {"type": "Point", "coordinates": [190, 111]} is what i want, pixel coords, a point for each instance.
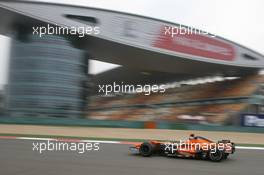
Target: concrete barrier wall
{"type": "Point", "coordinates": [124, 124]}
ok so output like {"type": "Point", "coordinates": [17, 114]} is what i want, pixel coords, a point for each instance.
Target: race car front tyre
{"type": "Point", "coordinates": [216, 155]}
{"type": "Point", "coordinates": [146, 149]}
{"type": "Point", "coordinates": [201, 155]}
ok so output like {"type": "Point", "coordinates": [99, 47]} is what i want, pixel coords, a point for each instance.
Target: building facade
{"type": "Point", "coordinates": [47, 77]}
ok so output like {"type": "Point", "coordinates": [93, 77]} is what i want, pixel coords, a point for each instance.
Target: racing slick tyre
{"type": "Point", "coordinates": [201, 155]}
{"type": "Point", "coordinates": [216, 156]}
{"type": "Point", "coordinates": [224, 141]}
{"type": "Point", "coordinates": [233, 148]}
{"type": "Point", "coordinates": [225, 156]}
{"type": "Point", "coordinates": [146, 149]}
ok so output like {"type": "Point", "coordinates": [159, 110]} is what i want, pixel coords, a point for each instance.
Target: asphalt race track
{"type": "Point", "coordinates": [17, 158]}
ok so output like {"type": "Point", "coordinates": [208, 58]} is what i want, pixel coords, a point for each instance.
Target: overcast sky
{"type": "Point", "coordinates": [241, 21]}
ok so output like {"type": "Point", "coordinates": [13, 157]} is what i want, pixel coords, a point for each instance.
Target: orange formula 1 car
{"type": "Point", "coordinates": [195, 147]}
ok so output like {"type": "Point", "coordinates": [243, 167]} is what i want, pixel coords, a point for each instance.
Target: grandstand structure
{"type": "Point", "coordinates": [146, 53]}
{"type": "Point", "coordinates": [215, 103]}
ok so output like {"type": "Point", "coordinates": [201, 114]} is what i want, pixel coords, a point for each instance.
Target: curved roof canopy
{"type": "Point", "coordinates": [137, 41]}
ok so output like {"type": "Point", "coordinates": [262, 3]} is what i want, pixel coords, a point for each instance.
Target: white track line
{"type": "Point", "coordinates": [101, 141]}
{"type": "Point", "coordinates": [253, 148]}
{"type": "Point", "coordinates": [66, 139]}
{"type": "Point", "coordinates": [33, 138]}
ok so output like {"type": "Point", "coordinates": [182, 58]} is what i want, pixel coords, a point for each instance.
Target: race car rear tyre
{"type": "Point", "coordinates": [216, 155]}
{"type": "Point", "coordinates": [224, 141]}
{"type": "Point", "coordinates": [233, 148]}
{"type": "Point", "coordinates": [225, 156]}
{"type": "Point", "coordinates": [146, 149]}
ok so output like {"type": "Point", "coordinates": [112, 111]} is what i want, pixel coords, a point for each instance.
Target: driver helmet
{"type": "Point", "coordinates": [191, 137]}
